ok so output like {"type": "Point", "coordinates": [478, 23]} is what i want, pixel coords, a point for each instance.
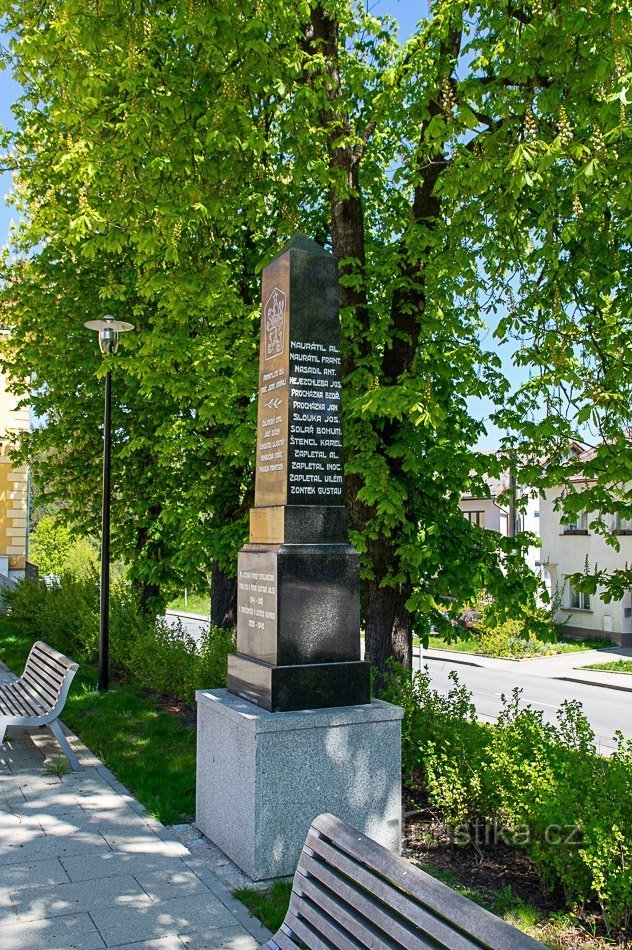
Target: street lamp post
{"type": "Point", "coordinates": [109, 330]}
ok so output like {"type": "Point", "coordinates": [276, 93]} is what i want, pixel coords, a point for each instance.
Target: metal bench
{"type": "Point", "coordinates": [37, 697]}
{"type": "Point", "coordinates": [350, 892]}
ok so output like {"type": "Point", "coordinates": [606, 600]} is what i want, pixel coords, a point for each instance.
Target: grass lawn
{"type": "Point", "coordinates": [269, 906]}
{"type": "Point", "coordinates": [619, 666]}
{"type": "Point", "coordinates": [195, 604]}
{"type": "Point", "coordinates": [563, 645]}
{"type": "Point", "coordinates": [151, 750]}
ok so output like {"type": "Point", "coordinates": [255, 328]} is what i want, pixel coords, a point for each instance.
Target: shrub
{"type": "Point", "coordinates": [542, 783]}
{"type": "Point", "coordinates": [533, 634]}
{"type": "Point", "coordinates": [145, 650]}
{"type": "Point", "coordinates": [55, 549]}
{"type": "Point", "coordinates": [166, 659]}
{"type": "Point", "coordinates": [442, 744]}
{"type": "Point", "coordinates": [64, 614]}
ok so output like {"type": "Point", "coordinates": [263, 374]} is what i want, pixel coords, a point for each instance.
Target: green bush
{"type": "Point", "coordinates": [541, 785]}
{"type": "Point", "coordinates": [145, 650]}
{"type": "Point", "coordinates": [533, 634]}
{"type": "Point", "coordinates": [442, 744]}
{"type": "Point", "coordinates": [166, 659]}
{"type": "Point", "coordinates": [64, 614]}
{"type": "Point", "coordinates": [55, 549]}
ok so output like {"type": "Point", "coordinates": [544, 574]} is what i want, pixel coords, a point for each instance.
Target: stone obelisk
{"type": "Point", "coordinates": [298, 598]}
{"type": "Point", "coordinates": [296, 732]}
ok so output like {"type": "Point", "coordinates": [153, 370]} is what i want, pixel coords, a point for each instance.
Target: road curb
{"type": "Point", "coordinates": [575, 679]}
{"type": "Point", "coordinates": [441, 659]}
{"type": "Point", "coordinates": [181, 613]}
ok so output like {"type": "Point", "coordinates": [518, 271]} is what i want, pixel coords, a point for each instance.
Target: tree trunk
{"type": "Point", "coordinates": [387, 622]}
{"type": "Point", "coordinates": [148, 597]}
{"type": "Point", "coordinates": [148, 592]}
{"type": "Point", "coordinates": [223, 598]}
{"type": "Point", "coordinates": [388, 627]}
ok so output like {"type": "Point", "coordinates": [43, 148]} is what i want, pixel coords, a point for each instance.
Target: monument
{"type": "Point", "coordinates": [298, 594]}
{"type": "Point", "coordinates": [297, 733]}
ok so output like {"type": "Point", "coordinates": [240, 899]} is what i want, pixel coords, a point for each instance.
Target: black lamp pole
{"type": "Point", "coordinates": [109, 330]}
{"type": "Point", "coordinates": [104, 606]}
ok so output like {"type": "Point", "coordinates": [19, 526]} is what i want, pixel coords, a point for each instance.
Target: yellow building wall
{"type": "Point", "coordinates": [13, 483]}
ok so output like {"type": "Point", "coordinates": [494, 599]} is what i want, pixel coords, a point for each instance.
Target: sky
{"type": "Point", "coordinates": [408, 13]}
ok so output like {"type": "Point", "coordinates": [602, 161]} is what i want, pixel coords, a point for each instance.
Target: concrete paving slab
{"type": "Point", "coordinates": [79, 855]}
{"type": "Point", "coordinates": [75, 930]}
{"type": "Point", "coordinates": [139, 843]}
{"type": "Point", "coordinates": [112, 863]}
{"type": "Point", "coordinates": [219, 940]}
{"type": "Point", "coordinates": [169, 883]}
{"type": "Point", "coordinates": [45, 848]}
{"type": "Point", "coordinates": [182, 915]}
{"type": "Point", "coordinates": [75, 897]}
{"type": "Point", "coordinates": [172, 942]}
{"type": "Point", "coordinates": [40, 873]}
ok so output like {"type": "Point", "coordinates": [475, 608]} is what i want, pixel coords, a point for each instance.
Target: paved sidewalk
{"type": "Point", "coordinates": [562, 666]}
{"type": "Point", "coordinates": [83, 865]}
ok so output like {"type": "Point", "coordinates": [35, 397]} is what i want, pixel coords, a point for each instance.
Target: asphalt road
{"type": "Point", "coordinates": [194, 625]}
{"type": "Point", "coordinates": [606, 709]}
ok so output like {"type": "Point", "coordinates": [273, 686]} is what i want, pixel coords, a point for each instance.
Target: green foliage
{"type": "Point", "coordinates": [541, 785]}
{"type": "Point", "coordinates": [167, 659]}
{"type": "Point", "coordinates": [147, 652]}
{"type": "Point", "coordinates": [533, 633]}
{"type": "Point", "coordinates": [55, 549]}
{"type": "Point", "coordinates": [618, 666]}
{"type": "Point", "coordinates": [50, 545]}
{"type": "Point", "coordinates": [64, 614]}
{"type": "Point", "coordinates": [475, 175]}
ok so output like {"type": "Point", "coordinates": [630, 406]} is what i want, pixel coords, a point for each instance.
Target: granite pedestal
{"type": "Point", "coordinates": [262, 777]}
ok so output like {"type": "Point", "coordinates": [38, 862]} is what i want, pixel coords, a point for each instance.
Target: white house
{"type": "Point", "coordinates": [565, 548]}
{"type": "Point", "coordinates": [495, 512]}
{"type": "Point", "coordinates": [491, 513]}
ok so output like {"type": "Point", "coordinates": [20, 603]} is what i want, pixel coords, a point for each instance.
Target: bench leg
{"type": "Point", "coordinates": [3, 729]}
{"type": "Point", "coordinates": [56, 730]}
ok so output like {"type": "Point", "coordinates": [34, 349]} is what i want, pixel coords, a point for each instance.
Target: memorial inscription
{"type": "Point", "coordinates": [298, 605]}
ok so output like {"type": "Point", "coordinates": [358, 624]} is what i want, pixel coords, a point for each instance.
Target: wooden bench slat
{"type": "Point", "coordinates": [472, 920]}
{"type": "Point", "coordinates": [50, 652]}
{"type": "Point", "coordinates": [333, 930]}
{"type": "Point", "coordinates": [8, 706]}
{"type": "Point", "coordinates": [37, 667]}
{"type": "Point", "coordinates": [305, 934]}
{"type": "Point", "coordinates": [49, 694]}
{"type": "Point", "coordinates": [19, 704]}
{"type": "Point", "coordinates": [50, 672]}
{"type": "Point", "coordinates": [380, 904]}
{"type": "Point", "coordinates": [31, 702]}
{"type": "Point", "coordinates": [283, 940]}
{"type": "Point", "coordinates": [341, 907]}
{"type": "Point", "coordinates": [381, 889]}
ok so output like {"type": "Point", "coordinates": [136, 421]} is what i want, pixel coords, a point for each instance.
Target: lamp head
{"type": "Point", "coordinates": [109, 330]}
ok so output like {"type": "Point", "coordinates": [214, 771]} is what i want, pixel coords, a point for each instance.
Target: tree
{"type": "Point", "coordinates": [446, 174]}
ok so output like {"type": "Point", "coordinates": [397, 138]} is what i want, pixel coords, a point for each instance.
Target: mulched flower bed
{"type": "Point", "coordinates": [500, 877]}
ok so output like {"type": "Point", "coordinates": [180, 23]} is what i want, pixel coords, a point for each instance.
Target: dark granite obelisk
{"type": "Point", "coordinates": [298, 595]}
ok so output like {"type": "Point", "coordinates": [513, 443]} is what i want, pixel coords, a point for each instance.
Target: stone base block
{"type": "Point", "coordinates": [263, 777]}
{"type": "Point", "coordinates": [311, 686]}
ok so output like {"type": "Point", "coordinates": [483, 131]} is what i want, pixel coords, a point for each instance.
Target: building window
{"type": "Point", "coordinates": [475, 517]}
{"type": "Point", "coordinates": [536, 514]}
{"type": "Point", "coordinates": [579, 525]}
{"type": "Point", "coordinates": [622, 525]}
{"type": "Point", "coordinates": [576, 599]}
